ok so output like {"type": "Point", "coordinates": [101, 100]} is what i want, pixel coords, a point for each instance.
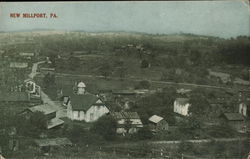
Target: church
{"type": "Point", "coordinates": [82, 105]}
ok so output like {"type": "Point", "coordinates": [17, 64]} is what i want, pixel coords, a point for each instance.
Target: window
{"type": "Point", "coordinates": [91, 116]}
{"type": "Point", "coordinates": [79, 114]}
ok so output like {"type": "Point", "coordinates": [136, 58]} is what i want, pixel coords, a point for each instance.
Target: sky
{"type": "Point", "coordinates": [215, 18]}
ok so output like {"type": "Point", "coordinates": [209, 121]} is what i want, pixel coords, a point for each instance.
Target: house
{"type": "Point", "coordinates": [48, 144]}
{"type": "Point", "coordinates": [181, 106]}
{"type": "Point", "coordinates": [18, 65]}
{"type": "Point", "coordinates": [128, 122]}
{"type": "Point", "coordinates": [157, 123]}
{"type": "Point", "coordinates": [220, 76]}
{"type": "Point", "coordinates": [244, 103]}
{"type": "Point", "coordinates": [82, 105]}
{"type": "Point", "coordinates": [244, 108]}
{"type": "Point", "coordinates": [49, 112]}
{"type": "Point", "coordinates": [31, 87]}
{"type": "Point", "coordinates": [234, 120]}
{"type": "Point", "coordinates": [241, 81]}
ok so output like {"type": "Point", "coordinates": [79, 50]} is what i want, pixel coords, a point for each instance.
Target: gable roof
{"type": "Point", "coordinates": [182, 101]}
{"type": "Point", "coordinates": [54, 122]}
{"type": "Point", "coordinates": [155, 119]}
{"type": "Point", "coordinates": [44, 108]}
{"type": "Point", "coordinates": [234, 116]}
{"type": "Point", "coordinates": [125, 115]}
{"type": "Point", "coordinates": [14, 97]}
{"type": "Point", "coordinates": [83, 102]}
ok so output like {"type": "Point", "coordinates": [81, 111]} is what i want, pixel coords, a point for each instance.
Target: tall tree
{"type": "Point", "coordinates": [106, 127]}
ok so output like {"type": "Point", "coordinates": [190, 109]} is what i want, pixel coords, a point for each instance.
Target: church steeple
{"type": "Point", "coordinates": [81, 88]}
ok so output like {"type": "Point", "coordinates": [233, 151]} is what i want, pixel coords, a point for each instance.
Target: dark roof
{"type": "Point", "coordinates": [53, 142]}
{"type": "Point", "coordinates": [83, 102]}
{"type": "Point", "coordinates": [182, 101]}
{"type": "Point", "coordinates": [14, 97]}
{"type": "Point", "coordinates": [54, 122]}
{"type": "Point", "coordinates": [125, 115]}
{"type": "Point", "coordinates": [44, 108]}
{"type": "Point", "coordinates": [234, 116]}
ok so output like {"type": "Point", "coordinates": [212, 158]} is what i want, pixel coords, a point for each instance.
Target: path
{"type": "Point", "coordinates": [179, 141]}
{"type": "Point", "coordinates": [34, 69]}
{"type": "Point", "coordinates": [45, 98]}
{"type": "Point", "coordinates": [139, 79]}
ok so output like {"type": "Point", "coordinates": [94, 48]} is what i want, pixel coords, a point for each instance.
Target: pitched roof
{"type": "Point", "coordinates": [18, 65]}
{"type": "Point", "coordinates": [182, 101]}
{"type": "Point", "coordinates": [53, 142]}
{"type": "Point", "coordinates": [54, 122]}
{"type": "Point", "coordinates": [155, 119]}
{"type": "Point", "coordinates": [14, 97]}
{"type": "Point", "coordinates": [81, 84]}
{"type": "Point", "coordinates": [234, 116]}
{"type": "Point", "coordinates": [183, 91]}
{"type": "Point", "coordinates": [44, 108]}
{"type": "Point", "coordinates": [125, 115]}
{"type": "Point", "coordinates": [83, 102]}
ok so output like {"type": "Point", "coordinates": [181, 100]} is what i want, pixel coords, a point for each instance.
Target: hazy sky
{"type": "Point", "coordinates": [217, 18]}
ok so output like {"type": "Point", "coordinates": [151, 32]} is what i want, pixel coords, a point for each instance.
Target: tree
{"type": "Point", "coordinates": [144, 64]}
{"type": "Point", "coordinates": [106, 127]}
{"type": "Point", "coordinates": [122, 72]}
{"type": "Point", "coordinates": [106, 70]}
{"type": "Point", "coordinates": [144, 133]}
{"type": "Point", "coordinates": [49, 80]}
{"type": "Point", "coordinates": [39, 120]}
{"type": "Point", "coordinates": [199, 103]}
{"type": "Point", "coordinates": [74, 63]}
{"type": "Point", "coordinates": [52, 58]}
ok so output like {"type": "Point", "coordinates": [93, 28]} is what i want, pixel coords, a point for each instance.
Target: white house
{"type": "Point", "coordinates": [181, 106]}
{"type": "Point", "coordinates": [128, 122]}
{"type": "Point", "coordinates": [84, 106]}
{"type": "Point", "coordinates": [32, 88]}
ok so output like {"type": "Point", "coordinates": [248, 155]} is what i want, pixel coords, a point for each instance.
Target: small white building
{"type": "Point", "coordinates": [244, 108]}
{"type": "Point", "coordinates": [18, 65]}
{"type": "Point", "coordinates": [32, 88]}
{"type": "Point", "coordinates": [127, 122]}
{"type": "Point", "coordinates": [181, 106]}
{"type": "Point", "coordinates": [84, 106]}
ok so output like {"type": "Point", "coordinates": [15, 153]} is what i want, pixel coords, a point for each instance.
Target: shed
{"type": "Point", "coordinates": [235, 121]}
{"type": "Point", "coordinates": [157, 123]}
